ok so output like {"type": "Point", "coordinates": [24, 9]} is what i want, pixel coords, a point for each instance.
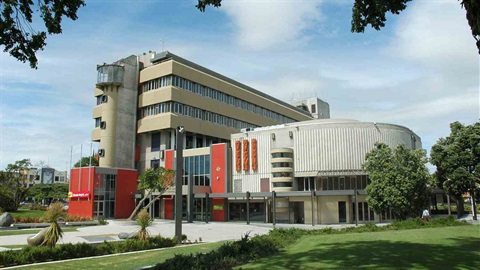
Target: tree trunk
{"type": "Point", "coordinates": [474, 205]}
{"type": "Point", "coordinates": [152, 201]}
{"type": "Point", "coordinates": [460, 207]}
{"type": "Point", "coordinates": [139, 204]}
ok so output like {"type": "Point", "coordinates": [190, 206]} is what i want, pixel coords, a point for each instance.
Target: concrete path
{"type": "Point", "coordinates": [209, 232]}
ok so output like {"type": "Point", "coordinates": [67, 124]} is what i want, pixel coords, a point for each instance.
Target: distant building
{"type": "Point", "coordinates": [318, 108]}
{"type": "Point", "coordinates": [45, 176]}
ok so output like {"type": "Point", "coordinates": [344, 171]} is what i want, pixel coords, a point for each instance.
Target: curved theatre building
{"type": "Point", "coordinates": [308, 171]}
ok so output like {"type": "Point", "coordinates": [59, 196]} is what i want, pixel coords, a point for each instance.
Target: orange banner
{"type": "Point", "coordinates": [245, 156]}
{"type": "Point", "coordinates": [254, 155]}
{"type": "Point", "coordinates": [238, 156]}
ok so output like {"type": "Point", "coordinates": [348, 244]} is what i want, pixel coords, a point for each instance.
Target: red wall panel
{"type": "Point", "coordinates": [219, 215]}
{"type": "Point", "coordinates": [126, 186]}
{"type": "Point", "coordinates": [81, 179]}
{"type": "Point", "coordinates": [168, 208]}
{"type": "Point", "coordinates": [218, 169]}
{"type": "Point", "coordinates": [169, 159]}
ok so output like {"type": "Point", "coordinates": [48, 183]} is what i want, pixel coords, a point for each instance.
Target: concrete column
{"type": "Point", "coordinates": [107, 135]}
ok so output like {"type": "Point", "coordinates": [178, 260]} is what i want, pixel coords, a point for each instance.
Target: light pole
{"type": "Point", "coordinates": [180, 133]}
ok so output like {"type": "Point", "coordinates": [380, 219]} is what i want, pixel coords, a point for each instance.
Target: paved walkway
{"type": "Point", "coordinates": [209, 232]}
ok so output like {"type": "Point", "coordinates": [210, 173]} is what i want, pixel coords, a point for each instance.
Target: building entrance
{"type": "Point", "coordinates": [238, 211]}
{"type": "Point", "coordinates": [342, 212]}
{"type": "Point", "coordinates": [104, 199]}
{"type": "Point", "coordinates": [298, 212]}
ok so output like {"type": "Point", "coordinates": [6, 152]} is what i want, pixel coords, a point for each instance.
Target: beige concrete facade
{"type": "Point", "coordinates": [323, 156]}
{"type": "Point", "coordinates": [159, 87]}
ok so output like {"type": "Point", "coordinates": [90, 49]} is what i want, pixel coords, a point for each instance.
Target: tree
{"type": "Point", "coordinates": [153, 181]}
{"type": "Point", "coordinates": [85, 161]}
{"type": "Point", "coordinates": [48, 191]}
{"type": "Point", "coordinates": [398, 180]}
{"type": "Point", "coordinates": [457, 158]}
{"type": "Point", "coordinates": [373, 13]}
{"type": "Point", "coordinates": [14, 185]}
{"type": "Point", "coordinates": [16, 32]}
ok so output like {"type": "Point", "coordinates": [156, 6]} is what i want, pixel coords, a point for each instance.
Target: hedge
{"type": "Point", "coordinates": [30, 255]}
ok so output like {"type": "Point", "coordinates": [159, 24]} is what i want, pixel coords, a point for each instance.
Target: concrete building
{"type": "Point", "coordinates": [318, 108]}
{"type": "Point", "coordinates": [171, 91]}
{"type": "Point", "coordinates": [141, 100]}
{"type": "Point", "coordinates": [45, 176]}
{"type": "Point", "coordinates": [314, 167]}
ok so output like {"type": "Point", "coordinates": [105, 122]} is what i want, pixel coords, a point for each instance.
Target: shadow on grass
{"type": "Point", "coordinates": [463, 253]}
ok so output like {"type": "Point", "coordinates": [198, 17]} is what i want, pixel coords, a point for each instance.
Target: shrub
{"type": "Point", "coordinates": [77, 219]}
{"type": "Point", "coordinates": [54, 231]}
{"type": "Point", "coordinates": [27, 220]}
{"type": "Point", "coordinates": [69, 251]}
{"type": "Point", "coordinates": [143, 220]}
{"type": "Point", "coordinates": [226, 256]}
{"type": "Point", "coordinates": [37, 206]}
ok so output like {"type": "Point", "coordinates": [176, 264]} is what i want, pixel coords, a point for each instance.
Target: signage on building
{"type": "Point", "coordinates": [238, 156]}
{"type": "Point", "coordinates": [79, 194]}
{"type": "Point", "coordinates": [218, 207]}
{"type": "Point", "coordinates": [254, 155]}
{"type": "Point", "coordinates": [246, 162]}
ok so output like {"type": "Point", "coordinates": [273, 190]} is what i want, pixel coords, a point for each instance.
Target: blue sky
{"type": "Point", "coordinates": [421, 71]}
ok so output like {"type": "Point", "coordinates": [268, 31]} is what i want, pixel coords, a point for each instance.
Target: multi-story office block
{"type": "Point", "coordinates": [142, 99]}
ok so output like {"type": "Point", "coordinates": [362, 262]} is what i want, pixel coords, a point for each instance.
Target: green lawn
{"type": "Point", "coordinates": [28, 213]}
{"type": "Point", "coordinates": [32, 231]}
{"type": "Point", "coordinates": [127, 261]}
{"type": "Point", "coordinates": [434, 248]}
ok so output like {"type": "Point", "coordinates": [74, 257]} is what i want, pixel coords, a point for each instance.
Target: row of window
{"type": "Point", "coordinates": [282, 165]}
{"type": "Point", "coordinates": [333, 183]}
{"type": "Point", "coordinates": [282, 155]}
{"type": "Point", "coordinates": [190, 111]}
{"type": "Point", "coordinates": [281, 184]}
{"type": "Point", "coordinates": [282, 174]}
{"type": "Point", "coordinates": [199, 167]}
{"type": "Point", "coordinates": [213, 94]}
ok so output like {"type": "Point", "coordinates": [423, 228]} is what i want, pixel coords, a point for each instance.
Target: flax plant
{"type": "Point", "coordinates": [54, 232]}
{"type": "Point", "coordinates": [143, 220]}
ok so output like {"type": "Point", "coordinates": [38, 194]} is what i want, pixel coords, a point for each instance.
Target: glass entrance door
{"type": "Point", "coordinates": [98, 208]}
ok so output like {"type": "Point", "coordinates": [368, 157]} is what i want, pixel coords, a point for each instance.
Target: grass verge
{"type": "Point", "coordinates": [22, 213]}
{"type": "Point", "coordinates": [429, 248]}
{"type": "Point", "coordinates": [127, 261]}
{"type": "Point", "coordinates": [33, 231]}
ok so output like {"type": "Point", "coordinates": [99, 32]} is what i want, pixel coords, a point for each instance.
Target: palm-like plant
{"type": "Point", "coordinates": [143, 220]}
{"type": "Point", "coordinates": [54, 232]}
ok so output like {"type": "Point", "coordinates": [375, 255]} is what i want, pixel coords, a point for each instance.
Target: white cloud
{"type": "Point", "coordinates": [264, 24]}
{"type": "Point", "coordinates": [436, 34]}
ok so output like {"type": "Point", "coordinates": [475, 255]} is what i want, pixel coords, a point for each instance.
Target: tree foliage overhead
{"type": "Point", "coordinates": [374, 12]}
{"type": "Point", "coordinates": [398, 180]}
{"type": "Point", "coordinates": [14, 185]}
{"type": "Point", "coordinates": [18, 35]}
{"type": "Point", "coordinates": [85, 161]}
{"type": "Point", "coordinates": [153, 181]}
{"type": "Point", "coordinates": [457, 158]}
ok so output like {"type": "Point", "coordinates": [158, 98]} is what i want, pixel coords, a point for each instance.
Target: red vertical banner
{"type": "Point", "coordinates": [238, 156]}
{"type": "Point", "coordinates": [246, 165]}
{"type": "Point", "coordinates": [254, 155]}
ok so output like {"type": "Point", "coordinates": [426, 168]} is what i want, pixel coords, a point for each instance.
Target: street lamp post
{"type": "Point", "coordinates": [180, 133]}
